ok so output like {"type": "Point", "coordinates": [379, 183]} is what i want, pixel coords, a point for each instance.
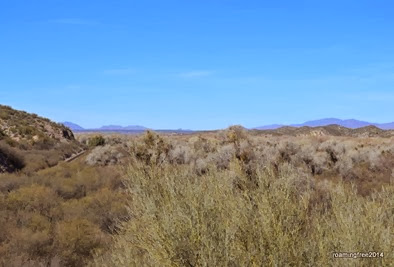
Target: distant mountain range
{"type": "Point", "coordinates": [76, 127]}
{"type": "Point", "coordinates": [72, 126]}
{"type": "Point", "coordinates": [352, 124]}
{"type": "Point", "coordinates": [121, 128]}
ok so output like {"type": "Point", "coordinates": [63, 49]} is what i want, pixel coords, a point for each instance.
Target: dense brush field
{"type": "Point", "coordinates": [226, 198]}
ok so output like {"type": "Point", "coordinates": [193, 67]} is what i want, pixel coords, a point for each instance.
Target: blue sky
{"type": "Point", "coordinates": [198, 64]}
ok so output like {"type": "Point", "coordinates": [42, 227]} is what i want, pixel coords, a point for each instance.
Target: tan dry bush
{"type": "Point", "coordinates": [201, 167]}
{"type": "Point", "coordinates": [203, 145]}
{"type": "Point", "coordinates": [235, 134]}
{"type": "Point", "coordinates": [151, 148]}
{"type": "Point", "coordinates": [34, 198]}
{"type": "Point", "coordinates": [180, 219]}
{"type": "Point", "coordinates": [32, 206]}
{"type": "Point", "coordinates": [10, 159]}
{"type": "Point", "coordinates": [10, 182]}
{"type": "Point", "coordinates": [180, 154]}
{"type": "Point", "coordinates": [209, 200]}
{"type": "Point", "coordinates": [35, 162]}
{"type": "Point", "coordinates": [76, 241]}
{"type": "Point", "coordinates": [76, 180]}
{"type": "Point", "coordinates": [105, 155]}
{"type": "Point", "coordinates": [223, 156]}
{"type": "Point", "coordinates": [104, 208]}
{"type": "Point", "coordinates": [36, 244]}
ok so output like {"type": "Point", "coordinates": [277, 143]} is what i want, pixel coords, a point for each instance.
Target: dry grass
{"type": "Point", "coordinates": [58, 216]}
{"type": "Point", "coordinates": [228, 198]}
{"type": "Point", "coordinates": [258, 202]}
{"type": "Point", "coordinates": [224, 219]}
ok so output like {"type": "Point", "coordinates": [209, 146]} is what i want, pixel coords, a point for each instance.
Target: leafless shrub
{"type": "Point", "coordinates": [180, 154]}
{"type": "Point", "coordinates": [201, 166]}
{"type": "Point", "coordinates": [223, 156]}
{"type": "Point", "coordinates": [105, 155]}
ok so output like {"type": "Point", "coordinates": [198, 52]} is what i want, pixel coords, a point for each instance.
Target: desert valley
{"type": "Point", "coordinates": [232, 197]}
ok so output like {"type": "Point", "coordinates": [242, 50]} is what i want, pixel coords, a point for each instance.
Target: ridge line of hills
{"type": "Point", "coordinates": [76, 127]}
{"type": "Point", "coordinates": [117, 128]}
{"type": "Point", "coordinates": [349, 123]}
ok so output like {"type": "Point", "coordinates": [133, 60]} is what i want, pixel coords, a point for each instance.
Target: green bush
{"type": "Point", "coordinates": [97, 140]}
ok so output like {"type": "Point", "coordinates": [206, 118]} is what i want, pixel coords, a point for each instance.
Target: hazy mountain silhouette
{"type": "Point", "coordinates": [123, 128]}
{"type": "Point", "coordinates": [76, 127]}
{"type": "Point", "coordinates": [351, 123]}
{"type": "Point", "coordinates": [73, 126]}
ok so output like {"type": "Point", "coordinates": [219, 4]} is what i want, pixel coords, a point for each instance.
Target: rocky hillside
{"type": "Point", "coordinates": [30, 129]}
{"type": "Point", "coordinates": [32, 141]}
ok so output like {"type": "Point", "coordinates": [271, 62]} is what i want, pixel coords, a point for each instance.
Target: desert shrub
{"type": "Point", "coordinates": [223, 157]}
{"type": "Point", "coordinates": [10, 182]}
{"type": "Point", "coordinates": [234, 134]}
{"type": "Point", "coordinates": [70, 189]}
{"type": "Point", "coordinates": [35, 162]}
{"type": "Point", "coordinates": [201, 144]}
{"type": "Point", "coordinates": [201, 166]}
{"type": "Point", "coordinates": [11, 142]}
{"type": "Point", "coordinates": [26, 130]}
{"type": "Point", "coordinates": [151, 148]}
{"type": "Point", "coordinates": [180, 219]}
{"type": "Point", "coordinates": [97, 140]}
{"type": "Point", "coordinates": [76, 241]}
{"type": "Point", "coordinates": [233, 198]}
{"type": "Point", "coordinates": [4, 115]}
{"type": "Point", "coordinates": [33, 198]}
{"type": "Point", "coordinates": [245, 151]}
{"type": "Point", "coordinates": [180, 154]}
{"type": "Point", "coordinates": [97, 177]}
{"type": "Point", "coordinates": [287, 150]}
{"type": "Point", "coordinates": [10, 160]}
{"type": "Point", "coordinates": [36, 209]}
{"type": "Point", "coordinates": [105, 155]}
{"type": "Point", "coordinates": [34, 243]}
{"type": "Point", "coordinates": [43, 143]}
{"type": "Point", "coordinates": [104, 208]}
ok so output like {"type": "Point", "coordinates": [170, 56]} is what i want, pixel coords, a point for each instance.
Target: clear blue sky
{"type": "Point", "coordinates": [198, 64]}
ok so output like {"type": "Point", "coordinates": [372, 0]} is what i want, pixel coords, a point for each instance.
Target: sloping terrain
{"type": "Point", "coordinates": [27, 140]}
{"type": "Point", "coordinates": [330, 130]}
{"type": "Point", "coordinates": [31, 129]}
{"type": "Point", "coordinates": [55, 210]}
{"type": "Point", "coordinates": [224, 191]}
